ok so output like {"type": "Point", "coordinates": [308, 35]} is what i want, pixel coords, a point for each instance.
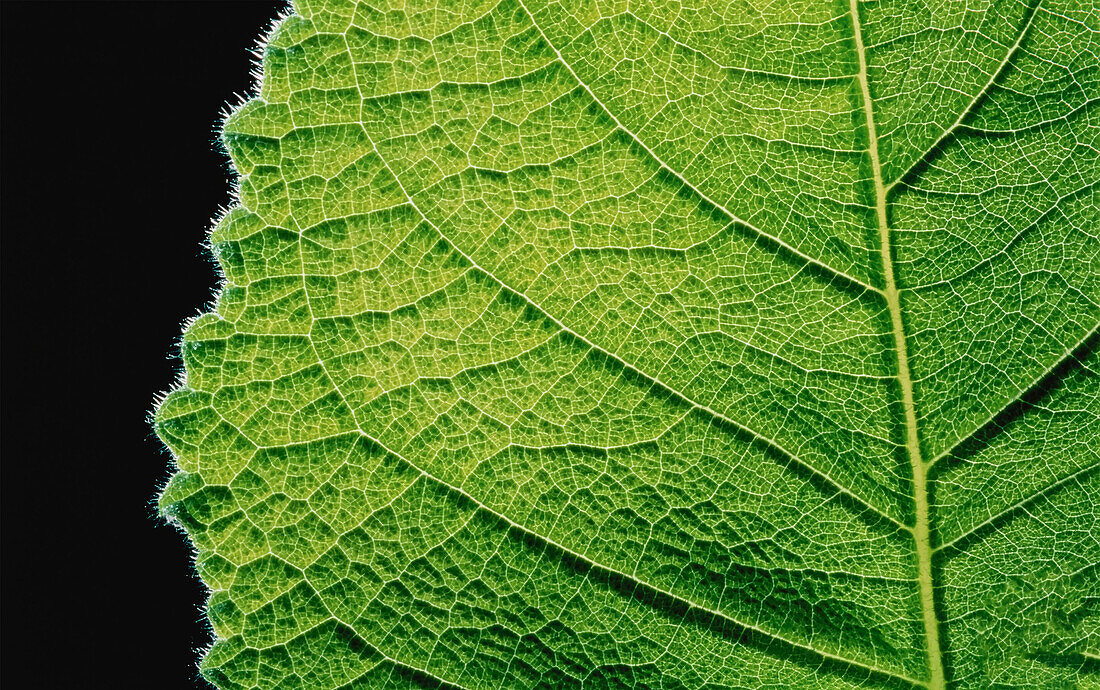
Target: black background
{"type": "Point", "coordinates": [111, 174]}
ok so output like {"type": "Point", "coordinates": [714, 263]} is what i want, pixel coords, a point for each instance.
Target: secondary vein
{"type": "Point", "coordinates": [681, 395]}
{"type": "Point", "coordinates": [836, 272]}
{"type": "Point", "coordinates": [717, 614]}
{"type": "Point", "coordinates": [922, 526]}
{"type": "Point", "coordinates": [1072, 353]}
{"type": "Point", "coordinates": [950, 130]}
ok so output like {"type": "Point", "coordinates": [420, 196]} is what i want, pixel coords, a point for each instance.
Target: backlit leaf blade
{"type": "Point", "coordinates": [586, 345]}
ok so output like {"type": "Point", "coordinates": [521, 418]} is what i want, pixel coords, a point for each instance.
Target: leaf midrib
{"type": "Point", "coordinates": [922, 528]}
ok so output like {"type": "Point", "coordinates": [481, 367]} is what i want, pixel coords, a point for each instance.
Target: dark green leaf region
{"type": "Point", "coordinates": [654, 345]}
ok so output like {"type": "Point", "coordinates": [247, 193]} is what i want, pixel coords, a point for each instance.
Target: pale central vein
{"type": "Point", "coordinates": [922, 526]}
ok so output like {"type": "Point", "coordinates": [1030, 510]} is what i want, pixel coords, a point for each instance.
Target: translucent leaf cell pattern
{"type": "Point", "coordinates": [622, 344]}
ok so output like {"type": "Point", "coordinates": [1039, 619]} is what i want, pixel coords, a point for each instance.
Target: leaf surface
{"type": "Point", "coordinates": [645, 345]}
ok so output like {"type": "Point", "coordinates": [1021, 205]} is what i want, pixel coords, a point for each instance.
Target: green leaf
{"type": "Point", "coordinates": [654, 345]}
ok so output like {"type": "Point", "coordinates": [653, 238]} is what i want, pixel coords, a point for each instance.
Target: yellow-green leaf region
{"type": "Point", "coordinates": [654, 345]}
